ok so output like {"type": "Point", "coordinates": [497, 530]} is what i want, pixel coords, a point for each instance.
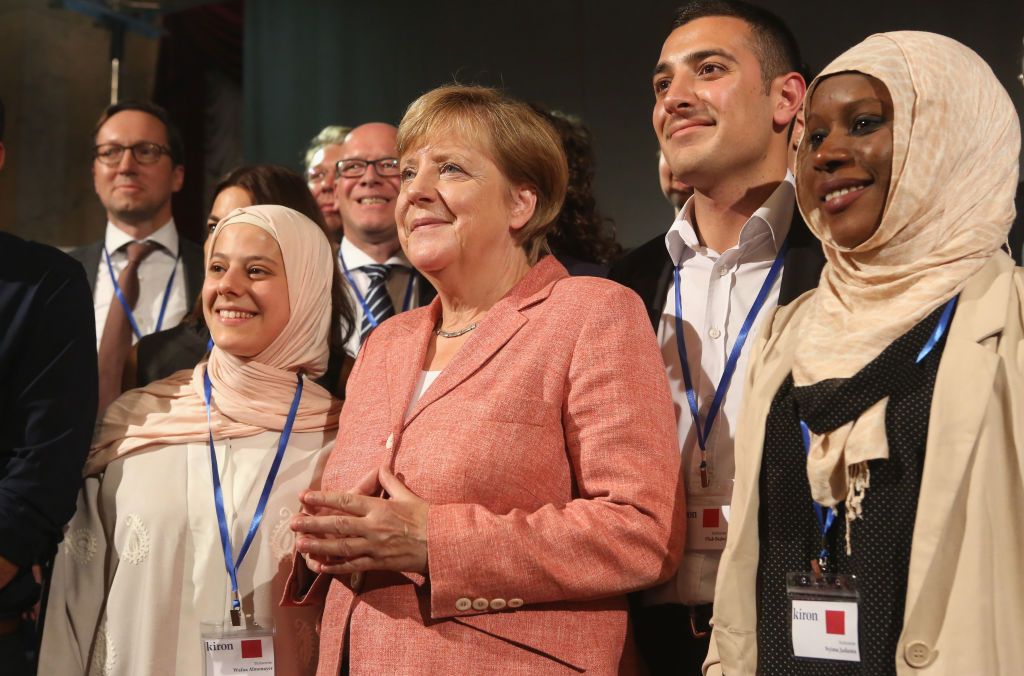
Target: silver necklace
{"type": "Point", "coordinates": [454, 334]}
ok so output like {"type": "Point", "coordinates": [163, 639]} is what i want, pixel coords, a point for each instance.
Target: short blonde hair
{"type": "Point", "coordinates": [524, 145]}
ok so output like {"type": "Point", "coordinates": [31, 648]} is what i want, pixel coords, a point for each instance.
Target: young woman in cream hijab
{"type": "Point", "coordinates": [143, 565]}
{"type": "Point", "coordinates": [893, 395]}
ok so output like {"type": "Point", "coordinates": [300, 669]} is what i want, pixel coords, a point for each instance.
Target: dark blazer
{"type": "Point", "coordinates": [647, 269]}
{"type": "Point", "coordinates": [191, 257]}
{"type": "Point", "coordinates": [48, 399]}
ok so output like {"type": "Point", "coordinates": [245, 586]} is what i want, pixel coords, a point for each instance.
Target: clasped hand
{"type": "Point", "coordinates": [342, 533]}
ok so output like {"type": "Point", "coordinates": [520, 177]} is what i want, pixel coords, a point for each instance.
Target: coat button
{"type": "Point", "coordinates": [463, 604]}
{"type": "Point", "coordinates": [918, 654]}
{"type": "Point", "coordinates": [356, 581]}
{"type": "Point", "coordinates": [498, 604]}
{"type": "Point", "coordinates": [515, 603]}
{"type": "Point", "coordinates": [480, 604]}
{"type": "Point", "coordinates": [389, 444]}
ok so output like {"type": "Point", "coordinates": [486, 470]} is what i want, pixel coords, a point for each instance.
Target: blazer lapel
{"type": "Point", "coordinates": [405, 361]}
{"type": "Point", "coordinates": [501, 323]}
{"type": "Point", "coordinates": [967, 366]}
{"type": "Point", "coordinates": [803, 263]}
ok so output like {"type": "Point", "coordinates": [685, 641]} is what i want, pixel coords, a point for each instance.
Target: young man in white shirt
{"type": "Point", "coordinates": [726, 88]}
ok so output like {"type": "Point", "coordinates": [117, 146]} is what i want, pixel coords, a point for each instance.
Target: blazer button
{"type": "Point", "coordinates": [356, 581]}
{"type": "Point", "coordinates": [480, 604]}
{"type": "Point", "coordinates": [463, 604]}
{"type": "Point", "coordinates": [389, 444]}
{"type": "Point", "coordinates": [515, 603]}
{"type": "Point", "coordinates": [918, 654]}
{"type": "Point", "coordinates": [498, 604]}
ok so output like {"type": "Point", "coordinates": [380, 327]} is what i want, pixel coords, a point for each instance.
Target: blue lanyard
{"type": "Point", "coordinates": [704, 432]}
{"type": "Point", "coordinates": [406, 302]}
{"type": "Point", "coordinates": [231, 564]}
{"type": "Point", "coordinates": [826, 515]}
{"type": "Point", "coordinates": [124, 301]}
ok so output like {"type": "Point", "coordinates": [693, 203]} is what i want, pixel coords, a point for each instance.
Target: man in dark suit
{"type": "Point", "coordinates": [726, 91]}
{"type": "Point", "coordinates": [143, 275]}
{"type": "Point", "coordinates": [47, 410]}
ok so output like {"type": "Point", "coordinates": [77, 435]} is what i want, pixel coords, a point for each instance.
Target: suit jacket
{"type": "Point", "coordinates": [547, 451]}
{"type": "Point", "coordinates": [191, 258]}
{"type": "Point", "coordinates": [962, 615]}
{"type": "Point", "coordinates": [648, 269]}
{"type": "Point", "coordinates": [48, 397]}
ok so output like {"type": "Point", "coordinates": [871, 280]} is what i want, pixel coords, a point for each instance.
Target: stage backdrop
{"type": "Point", "coordinates": [317, 62]}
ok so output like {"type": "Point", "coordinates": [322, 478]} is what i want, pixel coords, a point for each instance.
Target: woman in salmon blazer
{"type": "Point", "coordinates": [506, 468]}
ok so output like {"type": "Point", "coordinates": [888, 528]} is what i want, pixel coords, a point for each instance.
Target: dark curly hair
{"type": "Point", "coordinates": [580, 231]}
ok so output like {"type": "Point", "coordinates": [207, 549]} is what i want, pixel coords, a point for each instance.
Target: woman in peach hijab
{"type": "Point", "coordinates": [878, 512]}
{"type": "Point", "coordinates": [180, 468]}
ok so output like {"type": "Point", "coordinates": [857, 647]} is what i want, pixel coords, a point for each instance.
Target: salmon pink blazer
{"type": "Point", "coordinates": [547, 450]}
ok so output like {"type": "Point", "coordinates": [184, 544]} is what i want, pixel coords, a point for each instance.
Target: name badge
{"type": "Point", "coordinates": [707, 524]}
{"type": "Point", "coordinates": [229, 651]}
{"type": "Point", "coordinates": [823, 611]}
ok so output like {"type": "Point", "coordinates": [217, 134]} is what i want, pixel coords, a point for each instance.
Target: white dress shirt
{"type": "Point", "coordinates": [154, 271]}
{"type": "Point", "coordinates": [398, 284]}
{"type": "Point", "coordinates": [717, 290]}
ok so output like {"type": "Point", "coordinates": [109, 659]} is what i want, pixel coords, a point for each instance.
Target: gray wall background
{"type": "Point", "coordinates": [309, 63]}
{"type": "Point", "coordinates": [319, 62]}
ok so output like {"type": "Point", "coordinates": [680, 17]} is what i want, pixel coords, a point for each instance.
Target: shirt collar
{"type": "Point", "coordinates": [356, 258]}
{"type": "Point", "coordinates": [773, 217]}
{"type": "Point", "coordinates": [166, 236]}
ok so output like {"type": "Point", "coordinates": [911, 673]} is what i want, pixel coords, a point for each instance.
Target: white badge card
{"type": "Point", "coordinates": [707, 523]}
{"type": "Point", "coordinates": [228, 651]}
{"type": "Point", "coordinates": [824, 619]}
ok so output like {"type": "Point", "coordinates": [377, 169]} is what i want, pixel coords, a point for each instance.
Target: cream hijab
{"type": "Point", "coordinates": [250, 395]}
{"type": "Point", "coordinates": [956, 140]}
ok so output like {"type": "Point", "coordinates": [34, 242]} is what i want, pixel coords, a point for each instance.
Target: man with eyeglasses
{"type": "Point", "coordinates": [381, 279]}
{"type": "Point", "coordinates": [144, 277]}
{"type": "Point", "coordinates": [321, 174]}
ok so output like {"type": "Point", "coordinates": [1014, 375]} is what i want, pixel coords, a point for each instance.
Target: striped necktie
{"type": "Point", "coordinates": [378, 300]}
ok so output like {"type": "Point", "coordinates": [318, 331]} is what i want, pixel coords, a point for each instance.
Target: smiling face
{"type": "Point", "coordinates": [367, 203]}
{"type": "Point", "coordinates": [456, 207]}
{"type": "Point", "coordinates": [712, 115]}
{"type": "Point", "coordinates": [322, 178]}
{"type": "Point", "coordinates": [845, 160]}
{"type": "Point", "coordinates": [245, 294]}
{"type": "Point", "coordinates": [135, 194]}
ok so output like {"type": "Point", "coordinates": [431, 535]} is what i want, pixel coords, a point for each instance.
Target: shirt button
{"type": "Point", "coordinates": [498, 604]}
{"type": "Point", "coordinates": [515, 603]}
{"type": "Point", "coordinates": [715, 334]}
{"type": "Point", "coordinates": [723, 271]}
{"type": "Point", "coordinates": [918, 654]}
{"type": "Point", "coordinates": [463, 604]}
{"type": "Point", "coordinates": [480, 604]}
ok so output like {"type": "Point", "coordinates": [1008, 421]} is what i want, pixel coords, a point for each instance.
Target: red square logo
{"type": "Point", "coordinates": [252, 648]}
{"type": "Point", "coordinates": [712, 517]}
{"type": "Point", "coordinates": [835, 622]}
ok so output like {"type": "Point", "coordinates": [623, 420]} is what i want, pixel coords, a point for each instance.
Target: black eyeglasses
{"type": "Point", "coordinates": [385, 166]}
{"type": "Point", "coordinates": [143, 152]}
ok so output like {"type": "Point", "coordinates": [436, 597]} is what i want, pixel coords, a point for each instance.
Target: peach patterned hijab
{"type": "Point", "coordinates": [956, 139]}
{"type": "Point", "coordinates": [250, 395]}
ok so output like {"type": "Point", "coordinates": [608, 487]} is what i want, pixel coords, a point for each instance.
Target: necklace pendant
{"type": "Point", "coordinates": [454, 334]}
